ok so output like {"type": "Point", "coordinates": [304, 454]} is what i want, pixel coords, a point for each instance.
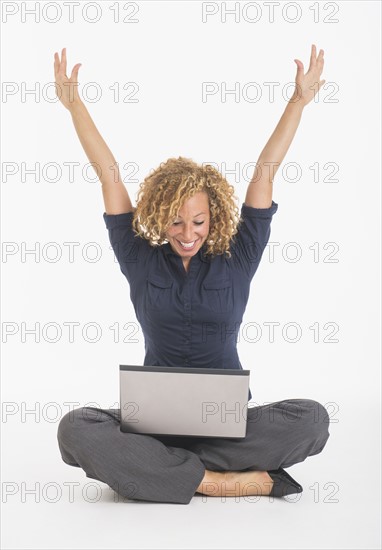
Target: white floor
{"type": "Point", "coordinates": [339, 508]}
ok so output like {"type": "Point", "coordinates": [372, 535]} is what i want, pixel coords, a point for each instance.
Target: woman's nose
{"type": "Point", "coordinates": [188, 234]}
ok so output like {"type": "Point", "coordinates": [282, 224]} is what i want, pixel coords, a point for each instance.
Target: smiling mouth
{"type": "Point", "coordinates": [187, 247]}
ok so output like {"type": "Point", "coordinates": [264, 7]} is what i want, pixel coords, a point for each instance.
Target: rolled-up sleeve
{"type": "Point", "coordinates": [253, 235]}
{"type": "Point", "coordinates": [129, 248]}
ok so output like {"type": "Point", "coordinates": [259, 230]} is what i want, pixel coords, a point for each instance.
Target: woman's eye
{"type": "Point", "coordinates": [197, 223]}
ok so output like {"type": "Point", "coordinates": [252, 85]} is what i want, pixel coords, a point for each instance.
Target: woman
{"type": "Point", "coordinates": [189, 259]}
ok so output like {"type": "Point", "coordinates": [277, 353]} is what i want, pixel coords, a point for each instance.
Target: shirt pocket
{"type": "Point", "coordinates": [219, 295]}
{"type": "Point", "coordinates": [158, 292]}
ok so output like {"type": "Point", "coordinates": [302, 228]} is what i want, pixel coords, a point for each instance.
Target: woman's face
{"type": "Point", "coordinates": [191, 226]}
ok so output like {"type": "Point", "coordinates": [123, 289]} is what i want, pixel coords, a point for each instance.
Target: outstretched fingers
{"type": "Point", "coordinates": [319, 67]}
{"type": "Point", "coordinates": [60, 65]}
{"type": "Point", "coordinates": [63, 61]}
{"type": "Point", "coordinates": [316, 61]}
{"type": "Point", "coordinates": [320, 61]}
{"type": "Point", "coordinates": [312, 57]}
{"type": "Point", "coordinates": [74, 75]}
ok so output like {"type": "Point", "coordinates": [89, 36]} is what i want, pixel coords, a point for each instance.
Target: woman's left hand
{"type": "Point", "coordinates": [309, 84]}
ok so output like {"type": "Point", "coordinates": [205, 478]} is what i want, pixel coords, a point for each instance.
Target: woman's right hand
{"type": "Point", "coordinates": [66, 88]}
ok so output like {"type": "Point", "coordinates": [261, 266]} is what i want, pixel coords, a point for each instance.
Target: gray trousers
{"type": "Point", "coordinates": [170, 468]}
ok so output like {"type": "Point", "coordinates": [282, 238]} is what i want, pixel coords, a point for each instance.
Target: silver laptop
{"type": "Point", "coordinates": [199, 402]}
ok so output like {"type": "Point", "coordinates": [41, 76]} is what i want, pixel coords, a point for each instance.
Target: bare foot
{"type": "Point", "coordinates": [251, 482]}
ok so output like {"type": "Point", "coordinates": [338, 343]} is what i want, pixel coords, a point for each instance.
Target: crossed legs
{"type": "Point", "coordinates": [168, 469]}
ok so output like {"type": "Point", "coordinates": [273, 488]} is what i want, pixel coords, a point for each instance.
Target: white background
{"type": "Point", "coordinates": [169, 52]}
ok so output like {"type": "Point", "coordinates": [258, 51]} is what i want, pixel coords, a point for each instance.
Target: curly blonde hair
{"type": "Point", "coordinates": [164, 191]}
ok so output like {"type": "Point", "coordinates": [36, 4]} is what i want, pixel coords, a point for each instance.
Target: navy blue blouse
{"type": "Point", "coordinates": [191, 318]}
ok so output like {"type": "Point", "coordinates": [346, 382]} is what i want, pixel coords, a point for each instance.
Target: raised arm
{"type": "Point", "coordinates": [115, 195]}
{"type": "Point", "coordinates": [260, 188]}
